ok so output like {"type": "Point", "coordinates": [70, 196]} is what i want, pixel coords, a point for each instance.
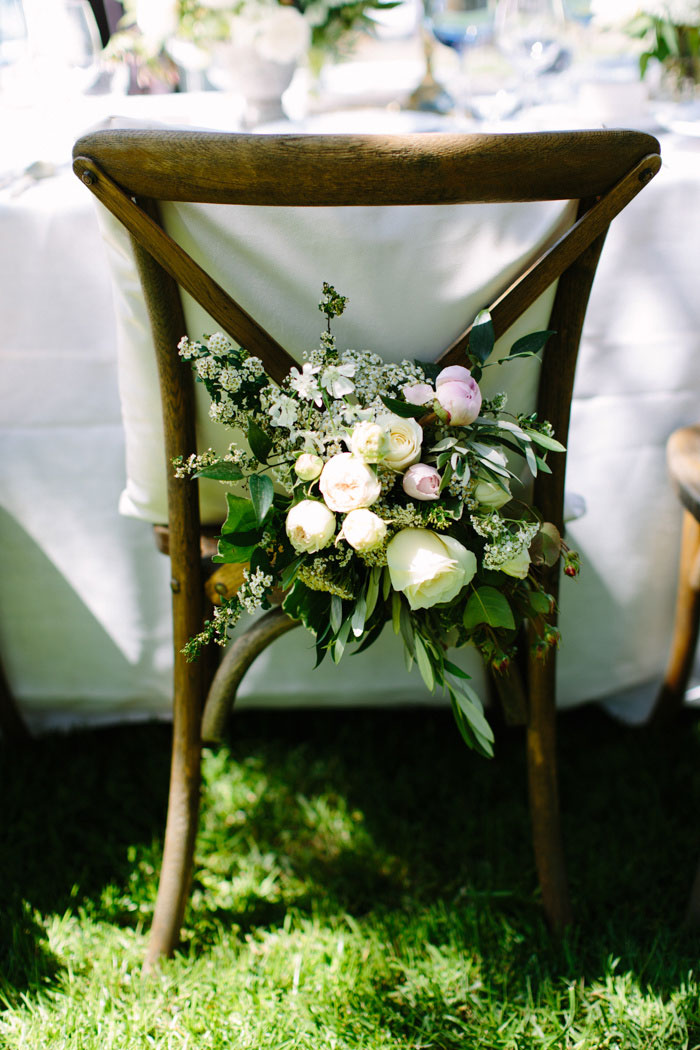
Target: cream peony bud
{"type": "Point", "coordinates": [308, 466]}
{"type": "Point", "coordinates": [405, 439]}
{"type": "Point", "coordinates": [421, 482]}
{"type": "Point", "coordinates": [428, 567]}
{"type": "Point", "coordinates": [363, 529]}
{"type": "Point", "coordinates": [461, 400]}
{"type": "Point", "coordinates": [347, 483]}
{"type": "Point", "coordinates": [453, 374]}
{"type": "Point", "coordinates": [369, 441]}
{"type": "Point", "coordinates": [518, 566]}
{"type": "Point", "coordinates": [310, 526]}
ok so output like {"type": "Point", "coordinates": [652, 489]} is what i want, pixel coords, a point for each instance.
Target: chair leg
{"type": "Point", "coordinates": [686, 624]}
{"type": "Point", "coordinates": [544, 795]}
{"type": "Point", "coordinates": [180, 834]}
{"type": "Point", "coordinates": [185, 774]}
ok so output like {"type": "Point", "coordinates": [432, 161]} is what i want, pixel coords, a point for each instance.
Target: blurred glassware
{"type": "Point", "coordinates": [13, 42]}
{"type": "Point", "coordinates": [531, 34]}
{"type": "Point", "coordinates": [461, 25]}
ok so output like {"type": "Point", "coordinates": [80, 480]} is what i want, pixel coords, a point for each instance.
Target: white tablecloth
{"type": "Point", "coordinates": [84, 601]}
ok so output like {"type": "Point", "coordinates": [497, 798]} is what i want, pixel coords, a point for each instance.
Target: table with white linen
{"type": "Point", "coordinates": [85, 601]}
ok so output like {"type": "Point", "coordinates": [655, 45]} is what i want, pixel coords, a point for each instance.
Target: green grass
{"type": "Point", "coordinates": [362, 881]}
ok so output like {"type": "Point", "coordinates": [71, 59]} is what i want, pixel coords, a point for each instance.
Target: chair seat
{"type": "Point", "coordinates": [683, 452]}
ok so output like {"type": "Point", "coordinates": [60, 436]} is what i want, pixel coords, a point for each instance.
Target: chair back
{"type": "Point", "coordinates": [237, 232]}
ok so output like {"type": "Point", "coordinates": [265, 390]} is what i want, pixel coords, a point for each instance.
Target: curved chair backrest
{"type": "Point", "coordinates": [137, 174]}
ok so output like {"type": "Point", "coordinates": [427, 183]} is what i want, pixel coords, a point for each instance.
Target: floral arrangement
{"type": "Point", "coordinates": [668, 30]}
{"type": "Point", "coordinates": [378, 493]}
{"type": "Point", "coordinates": [158, 35]}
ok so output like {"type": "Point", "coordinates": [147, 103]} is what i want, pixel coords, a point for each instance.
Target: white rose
{"type": "Point", "coordinates": [308, 466]}
{"type": "Point", "coordinates": [363, 529]}
{"type": "Point", "coordinates": [347, 483]}
{"type": "Point", "coordinates": [428, 567]}
{"type": "Point", "coordinates": [283, 35]}
{"type": "Point", "coordinates": [518, 566]}
{"type": "Point", "coordinates": [310, 526]}
{"type": "Point", "coordinates": [405, 439]}
{"type": "Point", "coordinates": [369, 441]}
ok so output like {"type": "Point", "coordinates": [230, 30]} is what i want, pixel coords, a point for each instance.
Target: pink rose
{"type": "Point", "coordinates": [418, 393]}
{"type": "Point", "coordinates": [421, 482]}
{"type": "Point", "coordinates": [460, 399]}
{"type": "Point", "coordinates": [453, 374]}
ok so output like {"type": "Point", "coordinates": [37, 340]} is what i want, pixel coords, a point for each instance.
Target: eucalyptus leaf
{"type": "Point", "coordinates": [482, 337]}
{"type": "Point", "coordinates": [386, 583]}
{"type": "Point", "coordinates": [221, 471]}
{"type": "Point", "coordinates": [290, 571]}
{"type": "Point", "coordinates": [455, 670]}
{"type": "Point", "coordinates": [545, 441]}
{"type": "Point", "coordinates": [531, 344]}
{"type": "Point", "coordinates": [241, 514]}
{"type": "Point", "coordinates": [396, 612]}
{"type": "Point", "coordinates": [359, 616]}
{"type": "Point", "coordinates": [424, 665]}
{"type": "Point", "coordinates": [470, 705]}
{"type": "Point", "coordinates": [336, 612]}
{"type": "Point", "coordinates": [373, 589]}
{"type": "Point", "coordinates": [370, 638]}
{"type": "Point", "coordinates": [442, 446]}
{"type": "Point", "coordinates": [404, 409]}
{"type": "Point", "coordinates": [260, 443]}
{"type": "Point", "coordinates": [489, 606]}
{"type": "Point", "coordinates": [531, 460]}
{"type": "Point", "coordinates": [406, 628]}
{"type": "Point", "coordinates": [262, 493]}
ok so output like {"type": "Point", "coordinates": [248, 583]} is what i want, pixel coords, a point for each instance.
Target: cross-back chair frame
{"type": "Point", "coordinates": [129, 172]}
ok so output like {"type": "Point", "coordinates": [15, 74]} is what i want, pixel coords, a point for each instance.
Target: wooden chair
{"type": "Point", "coordinates": [130, 172]}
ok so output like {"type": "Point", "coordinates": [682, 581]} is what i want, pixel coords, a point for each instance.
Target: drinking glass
{"type": "Point", "coordinates": [530, 33]}
{"type": "Point", "coordinates": [461, 25]}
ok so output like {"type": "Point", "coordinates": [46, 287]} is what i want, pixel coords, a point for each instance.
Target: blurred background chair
{"type": "Point", "coordinates": [162, 186]}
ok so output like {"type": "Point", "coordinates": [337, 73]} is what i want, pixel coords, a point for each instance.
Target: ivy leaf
{"type": "Point", "coordinates": [404, 409]}
{"type": "Point", "coordinates": [261, 493]}
{"type": "Point", "coordinates": [529, 345]}
{"type": "Point", "coordinates": [482, 337]}
{"type": "Point", "coordinates": [260, 443]}
{"type": "Point", "coordinates": [221, 471]}
{"type": "Point", "coordinates": [489, 606]}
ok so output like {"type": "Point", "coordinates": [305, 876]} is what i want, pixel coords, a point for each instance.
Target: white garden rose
{"type": "Point", "coordinates": [369, 441]}
{"type": "Point", "coordinates": [310, 526]}
{"type": "Point", "coordinates": [428, 567]}
{"type": "Point", "coordinates": [347, 483]}
{"type": "Point", "coordinates": [405, 438]}
{"type": "Point", "coordinates": [363, 529]}
{"type": "Point", "coordinates": [308, 466]}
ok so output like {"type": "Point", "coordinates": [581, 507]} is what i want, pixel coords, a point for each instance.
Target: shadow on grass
{"type": "Point", "coordinates": [363, 812]}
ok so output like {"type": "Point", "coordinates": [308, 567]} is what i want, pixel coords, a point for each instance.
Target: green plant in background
{"type": "Point", "coordinates": [668, 32]}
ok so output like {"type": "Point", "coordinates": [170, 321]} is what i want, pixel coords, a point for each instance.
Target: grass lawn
{"type": "Point", "coordinates": [362, 881]}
